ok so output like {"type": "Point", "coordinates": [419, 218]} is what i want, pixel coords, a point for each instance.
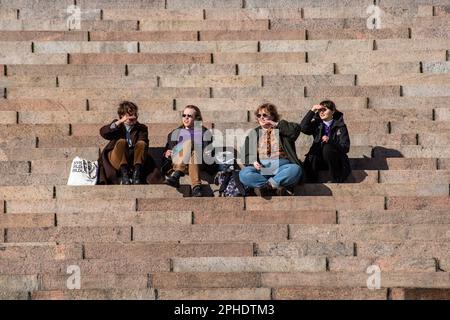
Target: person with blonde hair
{"type": "Point", "coordinates": [185, 150]}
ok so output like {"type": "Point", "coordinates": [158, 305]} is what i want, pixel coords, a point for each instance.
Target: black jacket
{"type": "Point", "coordinates": [172, 141]}
{"type": "Point", "coordinates": [139, 132]}
{"type": "Point", "coordinates": [339, 137]}
{"type": "Point", "coordinates": [289, 132]}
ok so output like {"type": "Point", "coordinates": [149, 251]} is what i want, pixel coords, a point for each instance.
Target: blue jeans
{"type": "Point", "coordinates": [279, 173]}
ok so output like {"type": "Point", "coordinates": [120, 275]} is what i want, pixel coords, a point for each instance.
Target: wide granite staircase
{"type": "Point", "coordinates": [154, 242]}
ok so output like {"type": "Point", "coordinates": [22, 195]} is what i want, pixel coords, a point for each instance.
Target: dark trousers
{"type": "Point", "coordinates": [328, 157]}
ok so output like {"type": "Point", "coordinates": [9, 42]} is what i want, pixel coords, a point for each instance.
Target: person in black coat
{"type": "Point", "coordinates": [127, 150]}
{"type": "Point", "coordinates": [331, 142]}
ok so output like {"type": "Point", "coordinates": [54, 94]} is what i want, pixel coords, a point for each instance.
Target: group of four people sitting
{"type": "Point", "coordinates": [268, 155]}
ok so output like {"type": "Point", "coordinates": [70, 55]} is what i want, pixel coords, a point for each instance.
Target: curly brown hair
{"type": "Point", "coordinates": [127, 107]}
{"type": "Point", "coordinates": [271, 109]}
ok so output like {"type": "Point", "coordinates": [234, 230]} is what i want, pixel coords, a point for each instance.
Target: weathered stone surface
{"type": "Point", "coordinates": [168, 249]}
{"type": "Point", "coordinates": [253, 264]}
{"type": "Point", "coordinates": [106, 294]}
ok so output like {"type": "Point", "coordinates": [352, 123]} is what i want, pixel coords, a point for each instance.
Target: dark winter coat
{"type": "Point", "coordinates": [339, 137]}
{"type": "Point", "coordinates": [289, 132]}
{"type": "Point", "coordinates": [107, 173]}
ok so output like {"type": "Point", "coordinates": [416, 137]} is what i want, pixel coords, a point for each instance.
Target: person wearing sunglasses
{"type": "Point", "coordinates": [269, 154]}
{"type": "Point", "coordinates": [128, 149]}
{"type": "Point", "coordinates": [185, 147]}
{"type": "Point", "coordinates": [330, 145]}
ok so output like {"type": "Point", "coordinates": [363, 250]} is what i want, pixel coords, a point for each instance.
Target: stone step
{"type": "Point", "coordinates": [14, 167]}
{"type": "Point", "coordinates": [40, 251]}
{"type": "Point", "coordinates": [72, 205]}
{"type": "Point", "coordinates": [405, 217]}
{"type": "Point", "coordinates": [33, 58]}
{"type": "Point", "coordinates": [97, 282]}
{"type": "Point", "coordinates": [250, 35]}
{"type": "Point", "coordinates": [150, 93]}
{"type": "Point", "coordinates": [111, 219]}
{"type": "Point", "coordinates": [249, 264]}
{"type": "Point", "coordinates": [26, 192]}
{"type": "Point", "coordinates": [263, 217]}
{"type": "Point", "coordinates": [385, 68]}
{"type": "Point", "coordinates": [396, 164]}
{"type": "Point", "coordinates": [315, 203]}
{"type": "Point", "coordinates": [259, 57]}
{"type": "Point", "coordinates": [412, 44]}
{"type": "Point", "coordinates": [13, 283]}
{"type": "Point", "coordinates": [410, 151]}
{"type": "Point", "coordinates": [87, 267]}
{"type": "Point", "coordinates": [30, 179]}
{"type": "Point", "coordinates": [43, 35]}
{"type": "Point", "coordinates": [42, 23]}
{"type": "Point", "coordinates": [338, 46]}
{"type": "Point", "coordinates": [106, 294]}
{"type": "Point", "coordinates": [152, 14]}
{"type": "Point", "coordinates": [404, 188]}
{"type": "Point", "coordinates": [212, 46]}
{"type": "Point", "coordinates": [211, 233]}
{"type": "Point", "coordinates": [390, 264]}
{"type": "Point", "coordinates": [412, 176]}
{"type": "Point", "coordinates": [65, 70]}
{"type": "Point", "coordinates": [52, 47]}
{"type": "Point", "coordinates": [371, 232]}
{"type": "Point", "coordinates": [418, 203]}
{"type": "Point", "coordinates": [138, 58]}
{"type": "Point", "coordinates": [408, 102]}
{"type": "Point", "coordinates": [23, 154]}
{"type": "Point", "coordinates": [149, 250]}
{"type": "Point", "coordinates": [423, 126]}
{"type": "Point", "coordinates": [158, 36]}
{"type": "Point", "coordinates": [27, 220]}
{"type": "Point", "coordinates": [215, 294]}
{"type": "Point", "coordinates": [204, 25]}
{"type": "Point", "coordinates": [28, 82]}
{"type": "Point", "coordinates": [404, 79]}
{"type": "Point", "coordinates": [412, 248]}
{"type": "Point", "coordinates": [374, 56]}
{"type": "Point", "coordinates": [292, 248]}
{"type": "Point", "coordinates": [420, 294]}
{"type": "Point", "coordinates": [357, 279]}
{"type": "Point", "coordinates": [321, 293]}
{"type": "Point", "coordinates": [350, 33]}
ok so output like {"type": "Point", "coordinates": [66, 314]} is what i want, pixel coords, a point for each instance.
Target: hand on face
{"type": "Point", "coordinates": [128, 119]}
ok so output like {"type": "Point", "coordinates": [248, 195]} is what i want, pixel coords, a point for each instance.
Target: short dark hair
{"type": "Point", "coordinates": [127, 107]}
{"type": "Point", "coordinates": [198, 113]}
{"type": "Point", "coordinates": [328, 104]}
{"type": "Point", "coordinates": [271, 109]}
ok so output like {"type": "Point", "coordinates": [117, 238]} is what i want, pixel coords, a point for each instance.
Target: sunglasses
{"type": "Point", "coordinates": [190, 116]}
{"type": "Point", "coordinates": [264, 115]}
{"type": "Point", "coordinates": [323, 110]}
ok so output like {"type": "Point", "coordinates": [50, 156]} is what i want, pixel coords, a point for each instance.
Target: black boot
{"type": "Point", "coordinates": [263, 191]}
{"type": "Point", "coordinates": [174, 179]}
{"type": "Point", "coordinates": [197, 191]}
{"type": "Point", "coordinates": [137, 175]}
{"type": "Point", "coordinates": [124, 173]}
